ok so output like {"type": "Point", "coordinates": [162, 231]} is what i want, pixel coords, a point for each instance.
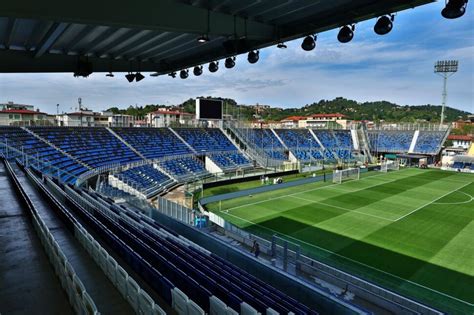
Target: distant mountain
{"type": "Point", "coordinates": [374, 111]}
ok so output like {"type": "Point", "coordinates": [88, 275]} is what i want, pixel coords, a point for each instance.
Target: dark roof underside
{"type": "Point", "coordinates": [160, 35]}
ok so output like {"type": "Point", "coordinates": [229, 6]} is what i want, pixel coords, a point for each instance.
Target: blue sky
{"type": "Point", "coordinates": [397, 67]}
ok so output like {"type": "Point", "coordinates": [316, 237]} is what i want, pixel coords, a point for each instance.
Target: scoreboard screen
{"type": "Point", "coordinates": [208, 108]}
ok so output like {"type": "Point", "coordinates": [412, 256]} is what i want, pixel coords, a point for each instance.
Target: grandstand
{"type": "Point", "coordinates": [212, 215]}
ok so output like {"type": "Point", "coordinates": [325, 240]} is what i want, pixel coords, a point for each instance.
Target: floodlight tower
{"type": "Point", "coordinates": [445, 68]}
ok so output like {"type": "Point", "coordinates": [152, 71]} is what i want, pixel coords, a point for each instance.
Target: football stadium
{"type": "Point", "coordinates": [208, 207]}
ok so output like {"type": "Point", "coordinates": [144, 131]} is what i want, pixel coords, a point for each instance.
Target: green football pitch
{"type": "Point", "coordinates": [411, 231]}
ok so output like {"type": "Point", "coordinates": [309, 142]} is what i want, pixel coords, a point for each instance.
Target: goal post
{"type": "Point", "coordinates": [338, 176]}
{"type": "Point", "coordinates": [389, 166]}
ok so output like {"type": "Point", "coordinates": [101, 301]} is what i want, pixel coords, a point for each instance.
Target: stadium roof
{"type": "Point", "coordinates": [161, 35]}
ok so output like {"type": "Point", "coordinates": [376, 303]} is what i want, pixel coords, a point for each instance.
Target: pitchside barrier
{"type": "Point", "coordinates": [290, 254]}
{"type": "Point", "coordinates": [266, 188]}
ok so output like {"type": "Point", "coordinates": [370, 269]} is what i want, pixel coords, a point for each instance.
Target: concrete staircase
{"type": "Point", "coordinates": [126, 143]}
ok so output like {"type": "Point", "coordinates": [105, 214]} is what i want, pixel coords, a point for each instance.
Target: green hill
{"type": "Point", "coordinates": [375, 111]}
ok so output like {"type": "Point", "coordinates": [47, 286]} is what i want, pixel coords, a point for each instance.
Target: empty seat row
{"type": "Point", "coordinates": [196, 272]}
{"type": "Point", "coordinates": [429, 142]}
{"type": "Point", "coordinates": [153, 142]}
{"type": "Point", "coordinates": [53, 162]}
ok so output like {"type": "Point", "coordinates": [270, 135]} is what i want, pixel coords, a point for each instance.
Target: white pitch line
{"type": "Point", "coordinates": [432, 201]}
{"type": "Point", "coordinates": [352, 260]}
{"type": "Point", "coordinates": [342, 208]}
{"type": "Point", "coordinates": [317, 188]}
{"type": "Point", "coordinates": [471, 198]}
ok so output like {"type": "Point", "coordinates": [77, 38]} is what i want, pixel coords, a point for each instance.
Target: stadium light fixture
{"type": "Point", "coordinates": [253, 56]}
{"type": "Point", "coordinates": [281, 45]}
{"type": "Point", "coordinates": [309, 43]}
{"type": "Point", "coordinates": [130, 77]}
{"type": "Point", "coordinates": [203, 39]}
{"type": "Point", "coordinates": [183, 74]}
{"type": "Point", "coordinates": [197, 70]}
{"type": "Point", "coordinates": [139, 77]}
{"type": "Point", "coordinates": [230, 62]}
{"type": "Point", "coordinates": [214, 66]}
{"type": "Point", "coordinates": [384, 24]}
{"type": "Point", "coordinates": [454, 9]}
{"type": "Point", "coordinates": [346, 33]}
{"type": "Point", "coordinates": [445, 68]}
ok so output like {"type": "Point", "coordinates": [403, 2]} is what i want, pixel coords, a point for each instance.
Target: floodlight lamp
{"type": "Point", "coordinates": [183, 74]}
{"type": "Point", "coordinates": [346, 33]}
{"type": "Point", "coordinates": [230, 62]}
{"type": "Point", "coordinates": [308, 43]}
{"type": "Point", "coordinates": [214, 66]}
{"type": "Point", "coordinates": [139, 77]}
{"type": "Point", "coordinates": [384, 25]}
{"type": "Point", "coordinates": [197, 70]}
{"type": "Point", "coordinates": [454, 9]}
{"type": "Point", "coordinates": [130, 77]}
{"type": "Point", "coordinates": [253, 56]}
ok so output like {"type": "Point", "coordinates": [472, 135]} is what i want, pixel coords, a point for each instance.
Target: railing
{"type": "Point", "coordinates": [410, 127]}
{"type": "Point", "coordinates": [35, 161]}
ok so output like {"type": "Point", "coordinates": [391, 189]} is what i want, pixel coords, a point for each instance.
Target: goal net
{"type": "Point", "coordinates": [338, 176]}
{"type": "Point", "coordinates": [389, 166]}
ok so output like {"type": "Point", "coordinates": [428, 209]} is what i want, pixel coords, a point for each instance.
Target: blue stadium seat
{"type": "Point", "coordinates": [153, 142]}
{"type": "Point", "coordinates": [93, 146]}
{"type": "Point", "coordinates": [390, 140]}
{"type": "Point", "coordinates": [429, 142]}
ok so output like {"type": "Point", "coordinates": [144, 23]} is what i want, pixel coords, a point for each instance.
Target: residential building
{"type": "Point", "coordinates": [166, 118]}
{"type": "Point", "coordinates": [24, 117]}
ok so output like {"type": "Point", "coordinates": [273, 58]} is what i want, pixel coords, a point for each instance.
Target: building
{"type": "Point", "coordinates": [461, 123]}
{"type": "Point", "coordinates": [11, 105]}
{"type": "Point", "coordinates": [83, 118]}
{"type": "Point", "coordinates": [461, 141]}
{"type": "Point", "coordinates": [25, 117]}
{"type": "Point", "coordinates": [120, 120]}
{"type": "Point", "coordinates": [166, 118]}
{"type": "Point", "coordinates": [324, 121]}
{"type": "Point", "coordinates": [292, 121]}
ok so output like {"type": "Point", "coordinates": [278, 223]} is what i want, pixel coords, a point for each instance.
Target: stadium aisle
{"type": "Point", "coordinates": [24, 267]}
{"type": "Point", "coordinates": [106, 297]}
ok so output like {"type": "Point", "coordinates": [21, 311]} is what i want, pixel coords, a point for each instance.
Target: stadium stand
{"type": "Point", "coordinates": [230, 160]}
{"type": "Point", "coordinates": [95, 147]}
{"type": "Point", "coordinates": [266, 140]}
{"type": "Point", "coordinates": [145, 179]}
{"type": "Point", "coordinates": [205, 140]}
{"type": "Point", "coordinates": [390, 140]}
{"type": "Point", "coordinates": [300, 142]}
{"type": "Point", "coordinates": [196, 272]}
{"type": "Point", "coordinates": [337, 143]}
{"type": "Point", "coordinates": [153, 142]}
{"type": "Point", "coordinates": [184, 167]}
{"type": "Point", "coordinates": [53, 159]}
{"type": "Point", "coordinates": [429, 142]}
